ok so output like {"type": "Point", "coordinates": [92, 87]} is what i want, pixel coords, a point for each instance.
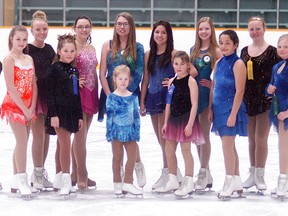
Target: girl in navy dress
{"type": "Point", "coordinates": [181, 125]}
{"type": "Point", "coordinates": [229, 112]}
{"type": "Point", "coordinates": [123, 129]}
{"type": "Point", "coordinates": [278, 87]}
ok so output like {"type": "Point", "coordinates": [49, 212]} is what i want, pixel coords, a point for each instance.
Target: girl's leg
{"type": "Point", "coordinates": [158, 122]}
{"type": "Point", "coordinates": [170, 151]}
{"type": "Point", "coordinates": [57, 157]}
{"type": "Point", "coordinates": [228, 146]}
{"type": "Point", "coordinates": [117, 151]}
{"type": "Point", "coordinates": [251, 139]}
{"type": "Point", "coordinates": [65, 148]}
{"type": "Point", "coordinates": [21, 133]}
{"type": "Point", "coordinates": [130, 148]}
{"type": "Point", "coordinates": [283, 149]}
{"type": "Point", "coordinates": [188, 158]}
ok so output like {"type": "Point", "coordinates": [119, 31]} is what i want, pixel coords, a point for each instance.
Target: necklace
{"type": "Point", "coordinates": [203, 51]}
{"type": "Point", "coordinates": [81, 45]}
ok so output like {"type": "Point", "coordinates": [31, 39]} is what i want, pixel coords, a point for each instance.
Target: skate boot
{"type": "Point", "coordinates": [172, 184]}
{"type": "Point", "coordinates": [23, 185]}
{"type": "Point", "coordinates": [259, 180]}
{"type": "Point", "coordinates": [57, 184]}
{"type": "Point", "coordinates": [130, 188]}
{"type": "Point", "coordinates": [37, 178]}
{"type": "Point", "coordinates": [46, 181]}
{"type": "Point", "coordinates": [209, 179]}
{"type": "Point", "coordinates": [238, 187]}
{"type": "Point", "coordinates": [228, 188]}
{"type": "Point", "coordinates": [118, 188]}
{"type": "Point", "coordinates": [162, 180]}
{"type": "Point", "coordinates": [179, 176]}
{"type": "Point", "coordinates": [140, 174]}
{"type": "Point", "coordinates": [282, 186]}
{"type": "Point", "coordinates": [186, 187]}
{"type": "Point", "coordinates": [250, 181]}
{"type": "Point", "coordinates": [66, 188]}
{"type": "Point", "coordinates": [202, 181]}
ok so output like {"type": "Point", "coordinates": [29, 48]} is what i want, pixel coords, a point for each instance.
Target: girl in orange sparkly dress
{"type": "Point", "coordinates": [19, 103]}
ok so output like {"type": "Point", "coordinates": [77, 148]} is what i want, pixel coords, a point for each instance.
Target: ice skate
{"type": "Point", "coordinates": [179, 176]}
{"type": "Point", "coordinates": [23, 186]}
{"type": "Point", "coordinates": [172, 184]}
{"type": "Point", "coordinates": [15, 187]}
{"type": "Point", "coordinates": [186, 187]}
{"type": "Point", "coordinates": [37, 178]}
{"type": "Point", "coordinates": [57, 184]}
{"type": "Point", "coordinates": [140, 174]}
{"type": "Point", "coordinates": [204, 181]}
{"type": "Point", "coordinates": [250, 181]}
{"type": "Point", "coordinates": [162, 180]}
{"type": "Point", "coordinates": [238, 187]}
{"type": "Point", "coordinates": [228, 188]}
{"type": "Point", "coordinates": [259, 180]}
{"type": "Point", "coordinates": [47, 184]}
{"type": "Point", "coordinates": [282, 186]}
{"type": "Point", "coordinates": [118, 189]}
{"type": "Point", "coordinates": [66, 188]}
{"type": "Point", "coordinates": [131, 189]}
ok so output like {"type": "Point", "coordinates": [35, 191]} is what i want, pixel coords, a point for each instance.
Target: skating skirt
{"type": "Point", "coordinates": [175, 130]}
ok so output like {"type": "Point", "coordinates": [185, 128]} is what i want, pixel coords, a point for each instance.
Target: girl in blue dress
{"type": "Point", "coordinates": [278, 87]}
{"type": "Point", "coordinates": [227, 107]}
{"type": "Point", "coordinates": [123, 129]}
{"type": "Point", "coordinates": [157, 72]}
{"type": "Point", "coordinates": [203, 56]}
{"type": "Point", "coordinates": [122, 49]}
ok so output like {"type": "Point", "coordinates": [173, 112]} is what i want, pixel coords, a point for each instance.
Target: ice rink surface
{"type": "Point", "coordinates": [102, 202]}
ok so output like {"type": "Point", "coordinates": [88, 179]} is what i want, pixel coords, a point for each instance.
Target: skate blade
{"type": "Point", "coordinates": [125, 193]}
{"type": "Point", "coordinates": [187, 196]}
{"type": "Point", "coordinates": [203, 191]}
{"type": "Point", "coordinates": [279, 198]}
{"type": "Point", "coordinates": [255, 192]}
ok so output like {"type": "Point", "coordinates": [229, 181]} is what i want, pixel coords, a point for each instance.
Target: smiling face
{"type": "Point", "coordinates": [282, 47]}
{"type": "Point", "coordinates": [160, 35]}
{"type": "Point", "coordinates": [67, 53]}
{"type": "Point", "coordinates": [39, 30]}
{"type": "Point", "coordinates": [82, 28]}
{"type": "Point", "coordinates": [19, 40]}
{"type": "Point", "coordinates": [122, 26]}
{"type": "Point", "coordinates": [180, 67]}
{"type": "Point", "coordinates": [226, 45]}
{"type": "Point", "coordinates": [204, 31]}
{"type": "Point", "coordinates": [256, 30]}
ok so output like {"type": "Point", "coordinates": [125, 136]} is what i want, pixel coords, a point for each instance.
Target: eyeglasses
{"type": "Point", "coordinates": [83, 27]}
{"type": "Point", "coordinates": [120, 24]}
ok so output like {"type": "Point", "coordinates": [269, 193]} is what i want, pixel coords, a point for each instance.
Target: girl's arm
{"type": "Point", "coordinates": [210, 112]}
{"type": "Point", "coordinates": [144, 85]}
{"type": "Point", "coordinates": [8, 68]}
{"type": "Point", "coordinates": [136, 117]}
{"type": "Point", "coordinates": [103, 67]}
{"type": "Point", "coordinates": [240, 80]}
{"type": "Point", "coordinates": [109, 119]}
{"type": "Point", "coordinates": [34, 90]}
{"type": "Point", "coordinates": [167, 108]}
{"type": "Point", "coordinates": [193, 87]}
{"type": "Point", "coordinates": [270, 88]}
{"type": "Point", "coordinates": [137, 75]}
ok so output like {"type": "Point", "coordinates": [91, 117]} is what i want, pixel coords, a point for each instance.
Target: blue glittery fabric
{"type": "Point", "coordinates": [155, 101]}
{"type": "Point", "coordinates": [223, 96]}
{"type": "Point", "coordinates": [281, 82]}
{"type": "Point", "coordinates": [123, 119]}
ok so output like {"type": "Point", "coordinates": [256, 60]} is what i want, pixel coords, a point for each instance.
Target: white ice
{"type": "Point", "coordinates": [102, 201]}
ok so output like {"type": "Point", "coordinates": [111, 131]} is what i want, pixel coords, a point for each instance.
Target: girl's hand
{"type": "Point", "coordinates": [55, 122]}
{"type": "Point", "coordinates": [210, 115]}
{"type": "Point", "coordinates": [205, 83]}
{"type": "Point", "coordinates": [231, 121]}
{"type": "Point", "coordinates": [142, 110]}
{"type": "Point", "coordinates": [165, 82]}
{"type": "Point", "coordinates": [188, 130]}
{"type": "Point", "coordinates": [80, 124]}
{"type": "Point", "coordinates": [271, 89]}
{"type": "Point", "coordinates": [282, 115]}
{"type": "Point", "coordinates": [81, 82]}
{"type": "Point", "coordinates": [164, 129]}
{"type": "Point", "coordinates": [29, 114]}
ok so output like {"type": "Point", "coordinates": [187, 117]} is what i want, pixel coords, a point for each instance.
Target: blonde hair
{"type": "Point", "coordinates": [38, 15]}
{"type": "Point", "coordinates": [131, 43]}
{"type": "Point", "coordinates": [282, 37]}
{"type": "Point", "coordinates": [12, 33]}
{"type": "Point", "coordinates": [119, 70]}
{"type": "Point", "coordinates": [257, 18]}
{"type": "Point", "coordinates": [198, 43]}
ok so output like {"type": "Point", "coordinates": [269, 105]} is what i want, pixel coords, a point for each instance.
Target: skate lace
{"type": "Point", "coordinates": [38, 174]}
{"type": "Point", "coordinates": [201, 177]}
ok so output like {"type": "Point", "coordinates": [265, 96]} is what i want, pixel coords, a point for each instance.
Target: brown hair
{"type": "Point", "coordinates": [89, 39]}
{"type": "Point", "coordinates": [12, 33]}
{"type": "Point", "coordinates": [131, 43]}
{"type": "Point", "coordinates": [62, 40]}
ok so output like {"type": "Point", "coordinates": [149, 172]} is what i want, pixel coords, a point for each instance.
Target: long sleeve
{"type": "Point", "coordinates": [109, 120]}
{"type": "Point", "coordinates": [137, 74]}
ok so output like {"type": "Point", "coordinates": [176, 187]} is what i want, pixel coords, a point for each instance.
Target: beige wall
{"type": "Point", "coordinates": [8, 12]}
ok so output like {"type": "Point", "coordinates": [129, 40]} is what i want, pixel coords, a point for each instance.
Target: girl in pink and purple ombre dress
{"type": "Point", "coordinates": [86, 62]}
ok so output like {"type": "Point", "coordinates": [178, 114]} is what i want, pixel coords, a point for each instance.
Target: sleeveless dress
{"type": "Point", "coordinates": [179, 114]}
{"type": "Point", "coordinates": [254, 97]}
{"type": "Point", "coordinates": [155, 101]}
{"type": "Point", "coordinates": [23, 77]}
{"type": "Point", "coordinates": [136, 73]}
{"type": "Point", "coordinates": [63, 97]}
{"type": "Point", "coordinates": [123, 118]}
{"type": "Point", "coordinates": [42, 58]}
{"type": "Point", "coordinates": [281, 82]}
{"type": "Point", "coordinates": [86, 63]}
{"type": "Point", "coordinates": [203, 66]}
{"type": "Point", "coordinates": [223, 96]}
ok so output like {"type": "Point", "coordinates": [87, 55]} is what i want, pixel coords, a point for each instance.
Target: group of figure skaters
{"type": "Point", "coordinates": [186, 95]}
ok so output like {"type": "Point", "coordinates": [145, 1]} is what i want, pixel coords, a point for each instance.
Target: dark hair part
{"type": "Point", "coordinates": [12, 33]}
{"type": "Point", "coordinates": [89, 39]}
{"type": "Point", "coordinates": [165, 59]}
{"type": "Point", "coordinates": [232, 35]}
{"type": "Point", "coordinates": [62, 40]}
